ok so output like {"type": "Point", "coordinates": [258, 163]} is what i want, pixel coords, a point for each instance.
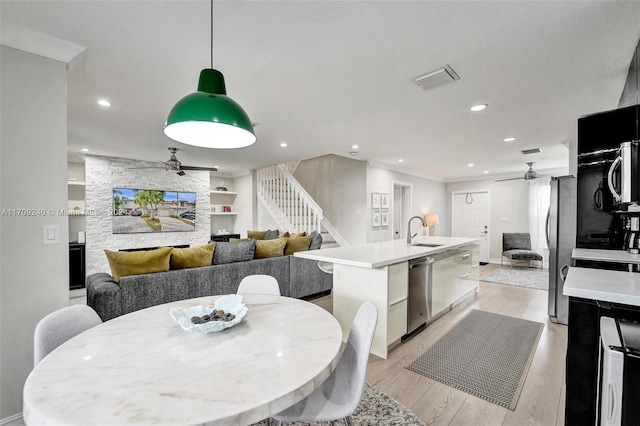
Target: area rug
{"type": "Point", "coordinates": [521, 277]}
{"type": "Point", "coordinates": [486, 355]}
{"type": "Point", "coordinates": [376, 408]}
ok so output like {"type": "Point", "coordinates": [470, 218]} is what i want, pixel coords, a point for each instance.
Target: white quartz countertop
{"type": "Point", "coordinates": [604, 285]}
{"type": "Point", "coordinates": [376, 255]}
{"type": "Point", "coordinates": [615, 256]}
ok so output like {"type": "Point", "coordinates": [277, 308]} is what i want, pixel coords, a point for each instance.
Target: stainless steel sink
{"type": "Point", "coordinates": [426, 245]}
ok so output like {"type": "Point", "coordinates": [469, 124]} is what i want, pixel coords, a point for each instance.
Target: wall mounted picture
{"type": "Point", "coordinates": [147, 210]}
{"type": "Point", "coordinates": [375, 200]}
{"type": "Point", "coordinates": [384, 200]}
{"type": "Point", "coordinates": [375, 218]}
{"type": "Point", "coordinates": [384, 220]}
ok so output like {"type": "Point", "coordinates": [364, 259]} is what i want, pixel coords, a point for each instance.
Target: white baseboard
{"type": "Point", "coordinates": [15, 420]}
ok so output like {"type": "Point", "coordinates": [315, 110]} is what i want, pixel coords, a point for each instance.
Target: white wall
{"type": "Point", "coordinates": [245, 204]}
{"type": "Point", "coordinates": [509, 200]}
{"type": "Point", "coordinates": [339, 186]}
{"type": "Point", "coordinates": [34, 278]}
{"type": "Point", "coordinates": [428, 196]}
{"type": "Point", "coordinates": [102, 174]}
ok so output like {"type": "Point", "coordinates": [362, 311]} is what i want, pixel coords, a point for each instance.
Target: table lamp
{"type": "Point", "coordinates": [432, 220]}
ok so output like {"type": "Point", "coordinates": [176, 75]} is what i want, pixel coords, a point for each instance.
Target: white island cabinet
{"type": "Point", "coordinates": [379, 273]}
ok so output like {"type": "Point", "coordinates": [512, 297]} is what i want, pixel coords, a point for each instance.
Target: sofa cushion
{"type": "Point", "coordinates": [258, 235]}
{"type": "Point", "coordinates": [297, 244]}
{"type": "Point", "coordinates": [234, 252]}
{"type": "Point", "coordinates": [123, 263]}
{"type": "Point", "coordinates": [193, 257]}
{"type": "Point", "coordinates": [270, 248]}
{"type": "Point", "coordinates": [316, 241]}
{"type": "Point", "coordinates": [271, 234]}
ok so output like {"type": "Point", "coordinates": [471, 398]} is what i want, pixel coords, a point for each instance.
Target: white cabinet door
{"type": "Point", "coordinates": [398, 275]}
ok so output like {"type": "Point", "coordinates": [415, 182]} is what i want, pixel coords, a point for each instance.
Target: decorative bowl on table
{"type": "Point", "coordinates": [233, 312]}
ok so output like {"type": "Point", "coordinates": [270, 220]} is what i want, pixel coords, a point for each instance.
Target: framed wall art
{"type": "Point", "coordinates": [375, 200]}
{"type": "Point", "coordinates": [375, 218]}
{"type": "Point", "coordinates": [384, 200]}
{"type": "Point", "coordinates": [384, 218]}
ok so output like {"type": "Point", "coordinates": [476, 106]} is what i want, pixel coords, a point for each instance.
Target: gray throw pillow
{"type": "Point", "coordinates": [271, 235]}
{"type": "Point", "coordinates": [316, 241]}
{"type": "Point", "coordinates": [234, 252]}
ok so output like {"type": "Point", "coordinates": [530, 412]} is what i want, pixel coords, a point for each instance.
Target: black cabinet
{"type": "Point", "coordinates": [76, 266]}
{"type": "Point", "coordinates": [583, 348]}
{"type": "Point", "coordinates": [224, 238]}
{"type": "Point", "coordinates": [599, 139]}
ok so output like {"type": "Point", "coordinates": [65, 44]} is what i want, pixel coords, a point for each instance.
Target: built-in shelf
{"type": "Point", "coordinates": [223, 213]}
{"type": "Point", "coordinates": [76, 182]}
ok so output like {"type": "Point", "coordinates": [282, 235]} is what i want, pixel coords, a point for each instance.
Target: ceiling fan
{"type": "Point", "coordinates": [529, 174]}
{"type": "Point", "coordinates": [172, 164]}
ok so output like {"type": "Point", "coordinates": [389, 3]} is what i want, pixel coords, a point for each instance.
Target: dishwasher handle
{"type": "Point", "coordinates": [420, 262]}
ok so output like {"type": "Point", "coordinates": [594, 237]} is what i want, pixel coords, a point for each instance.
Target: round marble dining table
{"type": "Point", "coordinates": [143, 368]}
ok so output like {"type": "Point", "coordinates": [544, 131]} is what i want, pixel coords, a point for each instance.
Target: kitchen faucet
{"type": "Point", "coordinates": [409, 236]}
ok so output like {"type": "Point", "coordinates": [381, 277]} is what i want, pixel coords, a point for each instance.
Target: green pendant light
{"type": "Point", "coordinates": [209, 118]}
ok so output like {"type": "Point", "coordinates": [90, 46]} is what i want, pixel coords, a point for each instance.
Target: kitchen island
{"type": "Point", "coordinates": [379, 273]}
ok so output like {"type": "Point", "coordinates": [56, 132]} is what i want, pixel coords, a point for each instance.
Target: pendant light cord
{"type": "Point", "coordinates": [211, 34]}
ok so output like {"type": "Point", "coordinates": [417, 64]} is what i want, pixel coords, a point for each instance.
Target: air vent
{"type": "Point", "coordinates": [437, 78]}
{"type": "Point", "coordinates": [531, 151]}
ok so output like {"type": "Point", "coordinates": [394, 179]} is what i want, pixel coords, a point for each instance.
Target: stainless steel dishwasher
{"type": "Point", "coordinates": [420, 284]}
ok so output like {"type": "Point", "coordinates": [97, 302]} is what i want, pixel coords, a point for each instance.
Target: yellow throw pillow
{"type": "Point", "coordinates": [270, 248]}
{"type": "Point", "coordinates": [192, 257]}
{"type": "Point", "coordinates": [124, 263]}
{"type": "Point", "coordinates": [283, 235]}
{"type": "Point", "coordinates": [237, 240]}
{"type": "Point", "coordinates": [301, 234]}
{"type": "Point", "coordinates": [258, 235]}
{"type": "Point", "coordinates": [297, 244]}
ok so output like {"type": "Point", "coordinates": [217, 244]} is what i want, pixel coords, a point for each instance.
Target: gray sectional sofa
{"type": "Point", "coordinates": [297, 277]}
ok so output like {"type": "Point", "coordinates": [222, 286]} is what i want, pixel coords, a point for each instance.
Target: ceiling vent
{"type": "Point", "coordinates": [437, 78]}
{"type": "Point", "coordinates": [531, 151]}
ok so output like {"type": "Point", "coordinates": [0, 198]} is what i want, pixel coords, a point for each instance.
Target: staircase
{"type": "Point", "coordinates": [292, 207]}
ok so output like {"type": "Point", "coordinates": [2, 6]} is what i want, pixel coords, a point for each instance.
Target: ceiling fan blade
{"type": "Point", "coordinates": [210, 169]}
{"type": "Point", "coordinates": [504, 180]}
{"type": "Point", "coordinates": [150, 167]}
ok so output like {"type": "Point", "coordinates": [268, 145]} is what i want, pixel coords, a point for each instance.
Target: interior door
{"type": "Point", "coordinates": [470, 218]}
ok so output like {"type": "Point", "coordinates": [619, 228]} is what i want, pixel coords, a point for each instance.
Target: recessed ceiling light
{"type": "Point", "coordinates": [104, 103]}
{"type": "Point", "coordinates": [479, 107]}
{"type": "Point", "coordinates": [85, 150]}
{"type": "Point", "coordinates": [355, 146]}
{"type": "Point", "coordinates": [401, 161]}
{"type": "Point", "coordinates": [510, 139]}
{"type": "Point", "coordinates": [486, 172]}
{"type": "Point", "coordinates": [283, 144]}
{"type": "Point", "coordinates": [216, 167]}
{"type": "Point", "coordinates": [470, 165]}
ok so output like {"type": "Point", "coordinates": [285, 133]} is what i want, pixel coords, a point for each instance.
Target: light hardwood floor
{"type": "Point", "coordinates": [542, 399]}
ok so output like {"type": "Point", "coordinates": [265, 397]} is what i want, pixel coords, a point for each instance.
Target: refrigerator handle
{"type": "Point", "coordinates": [563, 272]}
{"type": "Point", "coordinates": [546, 227]}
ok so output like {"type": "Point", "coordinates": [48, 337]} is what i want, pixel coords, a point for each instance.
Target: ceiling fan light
{"type": "Point", "coordinates": [209, 118]}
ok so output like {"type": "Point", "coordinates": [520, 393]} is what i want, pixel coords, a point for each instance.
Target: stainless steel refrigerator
{"type": "Point", "coordinates": [561, 239]}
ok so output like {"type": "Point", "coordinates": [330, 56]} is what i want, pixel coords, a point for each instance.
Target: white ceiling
{"type": "Point", "coordinates": [323, 75]}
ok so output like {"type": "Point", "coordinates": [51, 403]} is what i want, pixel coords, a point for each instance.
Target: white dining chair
{"type": "Point", "coordinates": [60, 326]}
{"type": "Point", "coordinates": [338, 397]}
{"type": "Point", "coordinates": [260, 284]}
